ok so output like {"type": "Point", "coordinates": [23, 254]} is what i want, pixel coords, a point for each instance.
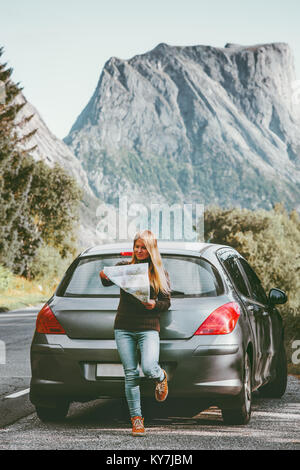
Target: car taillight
{"type": "Point", "coordinates": [126, 253]}
{"type": "Point", "coordinates": [46, 322]}
{"type": "Point", "coordinates": [221, 321]}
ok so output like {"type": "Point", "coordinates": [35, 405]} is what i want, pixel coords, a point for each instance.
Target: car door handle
{"type": "Point", "coordinates": [254, 310]}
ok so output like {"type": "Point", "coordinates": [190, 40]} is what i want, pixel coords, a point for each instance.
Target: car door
{"type": "Point", "coordinates": [229, 260]}
{"type": "Point", "coordinates": [260, 314]}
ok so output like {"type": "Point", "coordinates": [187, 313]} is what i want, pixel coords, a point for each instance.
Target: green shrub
{"type": "Point", "coordinates": [269, 241]}
{"type": "Point", "coordinates": [48, 264]}
{"type": "Point", "coordinates": [6, 278]}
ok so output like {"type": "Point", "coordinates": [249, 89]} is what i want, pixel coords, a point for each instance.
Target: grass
{"type": "Point", "coordinates": [294, 369]}
{"type": "Point", "coordinates": [22, 292]}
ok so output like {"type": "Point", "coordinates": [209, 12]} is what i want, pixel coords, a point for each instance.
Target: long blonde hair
{"type": "Point", "coordinates": [158, 277]}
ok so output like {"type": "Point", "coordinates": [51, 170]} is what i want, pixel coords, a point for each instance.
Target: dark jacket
{"type": "Point", "coordinates": [132, 315]}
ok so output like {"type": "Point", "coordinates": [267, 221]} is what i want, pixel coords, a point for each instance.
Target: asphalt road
{"type": "Point", "coordinates": [104, 424]}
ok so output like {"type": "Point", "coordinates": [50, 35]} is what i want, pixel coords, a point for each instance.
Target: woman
{"type": "Point", "coordinates": [137, 323]}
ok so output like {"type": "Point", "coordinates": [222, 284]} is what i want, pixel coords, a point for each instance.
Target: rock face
{"type": "Point", "coordinates": [199, 123]}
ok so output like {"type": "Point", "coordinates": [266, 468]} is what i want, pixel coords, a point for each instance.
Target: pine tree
{"type": "Point", "coordinates": [19, 238]}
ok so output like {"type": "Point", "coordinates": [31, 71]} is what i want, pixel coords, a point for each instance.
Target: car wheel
{"type": "Point", "coordinates": [242, 412]}
{"type": "Point", "coordinates": [53, 412]}
{"type": "Point", "coordinates": [277, 387]}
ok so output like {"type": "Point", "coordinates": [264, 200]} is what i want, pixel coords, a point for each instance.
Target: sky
{"type": "Point", "coordinates": [58, 48]}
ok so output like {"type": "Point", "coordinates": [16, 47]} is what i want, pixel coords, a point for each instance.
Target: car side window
{"type": "Point", "coordinates": [229, 261]}
{"type": "Point", "coordinates": [257, 291]}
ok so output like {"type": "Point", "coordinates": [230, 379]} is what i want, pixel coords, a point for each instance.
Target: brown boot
{"type": "Point", "coordinates": [138, 426]}
{"type": "Point", "coordinates": [161, 389]}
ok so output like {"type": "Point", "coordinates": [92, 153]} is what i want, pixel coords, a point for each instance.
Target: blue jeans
{"type": "Point", "coordinates": [148, 342]}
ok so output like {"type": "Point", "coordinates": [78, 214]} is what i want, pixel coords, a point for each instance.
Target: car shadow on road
{"type": "Point", "coordinates": [114, 413]}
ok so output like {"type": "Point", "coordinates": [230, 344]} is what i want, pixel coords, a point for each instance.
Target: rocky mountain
{"type": "Point", "coordinates": [200, 123]}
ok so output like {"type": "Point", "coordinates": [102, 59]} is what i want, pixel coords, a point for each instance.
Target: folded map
{"type": "Point", "coordinates": [132, 278]}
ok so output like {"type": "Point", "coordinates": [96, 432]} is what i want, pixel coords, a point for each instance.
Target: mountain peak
{"type": "Point", "coordinates": [161, 46]}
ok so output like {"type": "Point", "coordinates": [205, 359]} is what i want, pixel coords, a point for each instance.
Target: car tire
{"type": "Point", "coordinates": [53, 412]}
{"type": "Point", "coordinates": [277, 387]}
{"type": "Point", "coordinates": [241, 413]}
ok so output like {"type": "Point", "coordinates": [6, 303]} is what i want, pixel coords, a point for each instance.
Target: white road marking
{"type": "Point", "coordinates": [17, 315]}
{"type": "Point", "coordinates": [18, 394]}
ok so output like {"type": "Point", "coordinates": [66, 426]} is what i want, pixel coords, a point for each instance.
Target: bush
{"type": "Point", "coordinates": [48, 265]}
{"type": "Point", "coordinates": [269, 241]}
{"type": "Point", "coordinates": [6, 278]}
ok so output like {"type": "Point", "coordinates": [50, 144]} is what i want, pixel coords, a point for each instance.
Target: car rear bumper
{"type": "Point", "coordinates": [66, 368]}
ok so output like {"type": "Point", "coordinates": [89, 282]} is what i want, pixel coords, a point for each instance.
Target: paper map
{"type": "Point", "coordinates": [132, 278]}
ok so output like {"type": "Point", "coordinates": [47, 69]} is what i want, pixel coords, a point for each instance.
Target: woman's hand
{"type": "Point", "coordinates": [150, 305]}
{"type": "Point", "coordinates": [103, 275]}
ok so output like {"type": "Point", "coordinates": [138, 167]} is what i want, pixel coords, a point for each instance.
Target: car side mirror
{"type": "Point", "coordinates": [277, 296]}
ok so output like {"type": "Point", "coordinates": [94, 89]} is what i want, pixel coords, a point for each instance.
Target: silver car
{"type": "Point", "coordinates": [221, 339]}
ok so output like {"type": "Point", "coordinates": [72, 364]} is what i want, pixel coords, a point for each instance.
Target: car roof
{"type": "Point", "coordinates": [163, 246]}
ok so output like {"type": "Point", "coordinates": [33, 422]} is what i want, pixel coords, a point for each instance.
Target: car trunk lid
{"type": "Point", "coordinates": [93, 318]}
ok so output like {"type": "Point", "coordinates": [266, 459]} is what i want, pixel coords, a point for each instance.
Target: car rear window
{"type": "Point", "coordinates": [189, 277]}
